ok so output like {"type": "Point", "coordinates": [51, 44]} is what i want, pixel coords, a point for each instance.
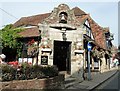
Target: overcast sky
{"type": "Point", "coordinates": [104, 13]}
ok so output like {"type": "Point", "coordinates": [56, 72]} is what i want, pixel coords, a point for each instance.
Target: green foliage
{"type": "Point", "coordinates": [26, 71]}
{"type": "Point", "coordinates": [8, 72]}
{"type": "Point", "coordinates": [50, 71]}
{"type": "Point", "coordinates": [9, 36]}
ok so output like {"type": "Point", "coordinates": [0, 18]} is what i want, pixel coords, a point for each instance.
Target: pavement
{"type": "Point", "coordinates": [97, 79]}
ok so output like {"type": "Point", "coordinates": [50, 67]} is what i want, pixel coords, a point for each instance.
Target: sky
{"type": "Point", "coordinates": [104, 13]}
{"type": "Point", "coordinates": [118, 23]}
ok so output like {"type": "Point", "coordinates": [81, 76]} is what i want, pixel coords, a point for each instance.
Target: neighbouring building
{"type": "Point", "coordinates": [60, 38]}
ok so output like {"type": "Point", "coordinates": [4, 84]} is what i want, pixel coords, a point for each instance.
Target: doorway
{"type": "Point", "coordinates": [62, 55]}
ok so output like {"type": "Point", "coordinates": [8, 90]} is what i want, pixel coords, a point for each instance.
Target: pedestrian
{"type": "Point", "coordinates": [116, 62]}
{"type": "Point", "coordinates": [2, 58]}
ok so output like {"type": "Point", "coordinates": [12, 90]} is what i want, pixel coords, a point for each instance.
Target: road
{"type": "Point", "coordinates": [111, 84]}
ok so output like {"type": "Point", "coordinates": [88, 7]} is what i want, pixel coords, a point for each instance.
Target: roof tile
{"type": "Point", "coordinates": [30, 32]}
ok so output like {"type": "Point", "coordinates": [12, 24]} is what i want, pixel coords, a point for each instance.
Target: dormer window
{"type": "Point", "coordinates": [63, 17]}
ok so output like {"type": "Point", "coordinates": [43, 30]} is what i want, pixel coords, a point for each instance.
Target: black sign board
{"type": "Point", "coordinates": [44, 60]}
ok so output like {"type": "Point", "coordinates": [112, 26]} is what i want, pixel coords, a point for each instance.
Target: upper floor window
{"type": "Point", "coordinates": [63, 17]}
{"type": "Point", "coordinates": [87, 29]}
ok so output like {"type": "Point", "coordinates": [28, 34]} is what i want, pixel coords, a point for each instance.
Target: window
{"type": "Point", "coordinates": [87, 29]}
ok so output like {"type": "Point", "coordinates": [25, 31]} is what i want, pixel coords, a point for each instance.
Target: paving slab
{"type": "Point", "coordinates": [96, 80]}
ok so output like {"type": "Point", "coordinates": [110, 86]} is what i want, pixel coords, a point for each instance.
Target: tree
{"type": "Point", "coordinates": [9, 38]}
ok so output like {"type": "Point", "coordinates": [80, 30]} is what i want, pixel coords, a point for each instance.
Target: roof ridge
{"type": "Point", "coordinates": [35, 15]}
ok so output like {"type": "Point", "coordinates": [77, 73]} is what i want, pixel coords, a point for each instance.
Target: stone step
{"type": "Point", "coordinates": [71, 81]}
{"type": "Point", "coordinates": [65, 73]}
{"type": "Point", "coordinates": [70, 78]}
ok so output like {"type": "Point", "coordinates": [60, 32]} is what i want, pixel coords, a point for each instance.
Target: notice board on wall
{"type": "Point", "coordinates": [44, 60]}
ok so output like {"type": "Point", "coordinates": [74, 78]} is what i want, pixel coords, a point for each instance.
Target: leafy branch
{"type": "Point", "coordinates": [9, 36]}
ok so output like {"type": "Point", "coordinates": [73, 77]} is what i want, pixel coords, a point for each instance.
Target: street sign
{"type": "Point", "coordinates": [89, 46]}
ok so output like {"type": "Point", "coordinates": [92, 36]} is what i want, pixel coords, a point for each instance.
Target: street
{"type": "Point", "coordinates": [110, 84]}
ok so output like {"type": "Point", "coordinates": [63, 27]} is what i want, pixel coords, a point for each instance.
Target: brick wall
{"type": "Point", "coordinates": [47, 83]}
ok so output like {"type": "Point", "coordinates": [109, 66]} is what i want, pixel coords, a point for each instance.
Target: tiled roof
{"type": "Point", "coordinates": [78, 11]}
{"type": "Point", "coordinates": [34, 20]}
{"type": "Point", "coordinates": [98, 33]}
{"type": "Point", "coordinates": [81, 18]}
{"type": "Point", "coordinates": [31, 20]}
{"type": "Point", "coordinates": [30, 32]}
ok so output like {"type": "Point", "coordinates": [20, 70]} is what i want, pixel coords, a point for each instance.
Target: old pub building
{"type": "Point", "coordinates": [60, 38]}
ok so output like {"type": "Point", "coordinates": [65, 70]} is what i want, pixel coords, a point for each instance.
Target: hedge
{"type": "Point", "coordinates": [26, 71]}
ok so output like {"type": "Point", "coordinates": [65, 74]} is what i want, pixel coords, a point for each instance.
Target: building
{"type": "Point", "coordinates": [60, 38]}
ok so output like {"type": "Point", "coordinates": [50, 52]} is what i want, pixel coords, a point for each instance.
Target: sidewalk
{"type": "Point", "coordinates": [97, 79]}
